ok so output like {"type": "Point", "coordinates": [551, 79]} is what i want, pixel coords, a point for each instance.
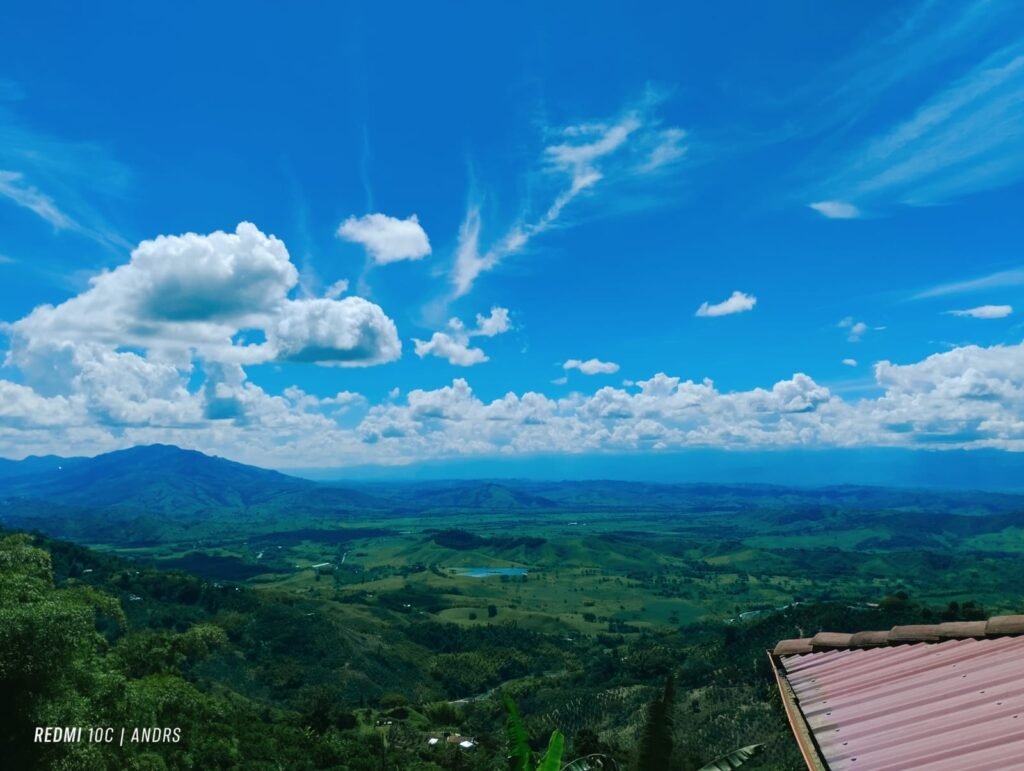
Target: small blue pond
{"type": "Point", "coordinates": [485, 572]}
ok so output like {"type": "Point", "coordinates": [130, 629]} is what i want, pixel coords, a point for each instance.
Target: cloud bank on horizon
{"type": "Point", "coordinates": [114, 366]}
{"type": "Point", "coordinates": [563, 282]}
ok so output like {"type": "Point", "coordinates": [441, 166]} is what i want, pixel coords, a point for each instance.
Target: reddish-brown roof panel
{"type": "Point", "coordinates": [944, 706]}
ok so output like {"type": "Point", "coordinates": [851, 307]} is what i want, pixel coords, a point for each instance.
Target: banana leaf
{"type": "Point", "coordinates": [520, 758]}
{"type": "Point", "coordinates": [734, 759]}
{"type": "Point", "coordinates": [552, 760]}
{"type": "Point", "coordinates": [594, 762]}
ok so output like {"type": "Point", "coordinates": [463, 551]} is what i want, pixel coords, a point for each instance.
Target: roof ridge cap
{"type": "Point", "coordinates": [902, 634]}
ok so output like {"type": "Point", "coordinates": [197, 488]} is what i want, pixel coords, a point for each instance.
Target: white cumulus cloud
{"type": "Point", "coordinates": [387, 239]}
{"type": "Point", "coordinates": [854, 329]}
{"type": "Point", "coordinates": [493, 324]}
{"type": "Point", "coordinates": [592, 366]}
{"type": "Point", "coordinates": [337, 289]}
{"type": "Point", "coordinates": [453, 347]}
{"type": "Point", "coordinates": [737, 302]}
{"type": "Point", "coordinates": [352, 332]}
{"type": "Point", "coordinates": [454, 344]}
{"type": "Point", "coordinates": [175, 293]}
{"type": "Point", "coordinates": [126, 351]}
{"type": "Point", "coordinates": [202, 277]}
{"type": "Point", "coordinates": [968, 397]}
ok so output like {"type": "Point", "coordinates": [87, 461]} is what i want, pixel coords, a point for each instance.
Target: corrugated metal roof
{"type": "Point", "coordinates": [956, 705]}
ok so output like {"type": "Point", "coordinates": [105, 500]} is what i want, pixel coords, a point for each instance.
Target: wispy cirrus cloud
{"type": "Point", "coordinates": [904, 44]}
{"type": "Point", "coordinates": [15, 189]}
{"type": "Point", "coordinates": [582, 156]}
{"type": "Point", "coordinates": [963, 138]}
{"type": "Point", "coordinates": [18, 191]}
{"type": "Point", "coordinates": [671, 147]}
{"type": "Point", "coordinates": [835, 210]}
{"type": "Point", "coordinates": [56, 179]}
{"type": "Point", "coordinates": [996, 280]}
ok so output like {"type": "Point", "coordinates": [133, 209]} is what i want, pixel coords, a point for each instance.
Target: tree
{"type": "Point", "coordinates": [656, 744]}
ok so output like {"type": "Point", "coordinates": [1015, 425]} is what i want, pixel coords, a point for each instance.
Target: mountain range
{"type": "Point", "coordinates": [172, 483]}
{"type": "Point", "coordinates": [142, 493]}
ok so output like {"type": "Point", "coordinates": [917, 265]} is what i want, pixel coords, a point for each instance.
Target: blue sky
{"type": "Point", "coordinates": [791, 225]}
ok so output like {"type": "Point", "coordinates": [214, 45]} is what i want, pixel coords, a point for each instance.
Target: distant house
{"type": "Point", "coordinates": [941, 697]}
{"type": "Point", "coordinates": [464, 742]}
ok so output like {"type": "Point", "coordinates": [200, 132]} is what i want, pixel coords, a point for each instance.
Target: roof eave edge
{"type": "Point", "coordinates": [797, 724]}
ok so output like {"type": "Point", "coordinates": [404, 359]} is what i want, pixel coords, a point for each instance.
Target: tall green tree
{"type": "Point", "coordinates": [656, 744]}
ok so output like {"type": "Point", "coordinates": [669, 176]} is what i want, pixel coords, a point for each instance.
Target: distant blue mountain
{"type": "Point", "coordinates": [166, 483]}
{"type": "Point", "coordinates": [33, 464]}
{"type": "Point", "coordinates": [167, 480]}
{"type": "Point", "coordinates": [991, 470]}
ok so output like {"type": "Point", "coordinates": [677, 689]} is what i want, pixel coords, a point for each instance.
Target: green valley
{"type": "Point", "coordinates": [262, 613]}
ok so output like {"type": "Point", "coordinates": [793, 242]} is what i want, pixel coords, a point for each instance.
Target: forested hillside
{"type": "Point", "coordinates": [264, 680]}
